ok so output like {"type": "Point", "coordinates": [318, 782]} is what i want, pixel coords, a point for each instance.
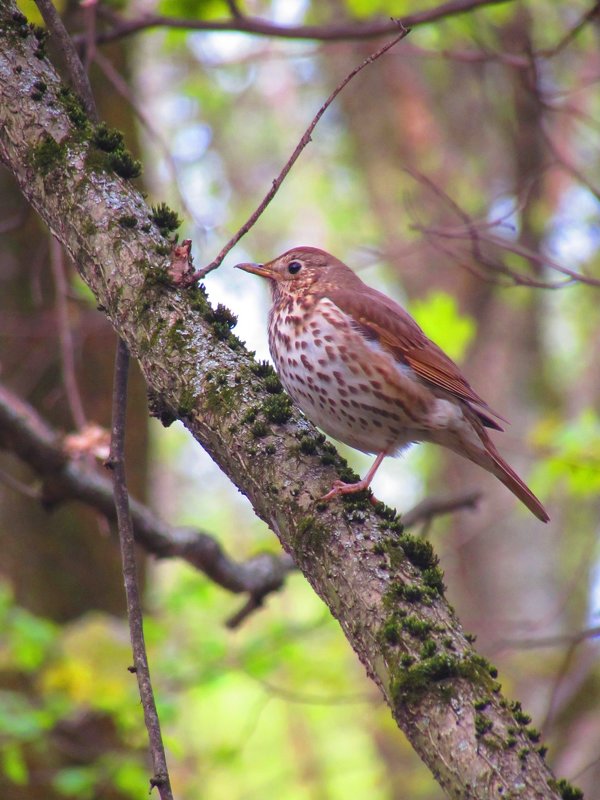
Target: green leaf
{"type": "Point", "coordinates": [76, 782]}
{"type": "Point", "coordinates": [195, 9]}
{"type": "Point", "coordinates": [573, 460]}
{"type": "Point", "coordinates": [31, 639]}
{"type": "Point", "coordinates": [18, 719]}
{"type": "Point", "coordinates": [14, 766]}
{"type": "Point", "coordinates": [371, 8]}
{"type": "Point", "coordinates": [441, 320]}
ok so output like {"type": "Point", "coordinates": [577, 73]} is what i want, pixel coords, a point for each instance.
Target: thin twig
{"type": "Point", "coordinates": [67, 356]}
{"type": "Point", "coordinates": [432, 507]}
{"type": "Point", "coordinates": [564, 669]}
{"type": "Point", "coordinates": [479, 231]}
{"type": "Point", "coordinates": [90, 12]}
{"type": "Point", "coordinates": [571, 34]}
{"type": "Point", "coordinates": [569, 168]}
{"type": "Point", "coordinates": [306, 138]}
{"type": "Point", "coordinates": [261, 27]}
{"type": "Point", "coordinates": [306, 698]}
{"type": "Point", "coordinates": [539, 259]}
{"type": "Point", "coordinates": [558, 640]}
{"type": "Point", "coordinates": [234, 9]}
{"type": "Point", "coordinates": [584, 769]}
{"type": "Point", "coordinates": [76, 69]}
{"type": "Point", "coordinates": [490, 266]}
{"type": "Point", "coordinates": [22, 488]}
{"type": "Point", "coordinates": [252, 604]}
{"type": "Point", "coordinates": [160, 779]}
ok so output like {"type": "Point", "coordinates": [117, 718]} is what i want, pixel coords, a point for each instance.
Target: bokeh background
{"type": "Point", "coordinates": [459, 174]}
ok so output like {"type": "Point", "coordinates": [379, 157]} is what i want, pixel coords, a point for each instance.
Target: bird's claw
{"type": "Point", "coordinates": [341, 488]}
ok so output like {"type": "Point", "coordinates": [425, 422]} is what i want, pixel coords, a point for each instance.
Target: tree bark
{"type": "Point", "coordinates": [384, 588]}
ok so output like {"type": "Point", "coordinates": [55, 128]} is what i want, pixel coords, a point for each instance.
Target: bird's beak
{"type": "Point", "coordinates": [264, 270]}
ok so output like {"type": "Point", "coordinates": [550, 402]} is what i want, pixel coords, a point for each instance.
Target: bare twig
{"type": "Point", "coordinates": [306, 138]}
{"type": "Point", "coordinates": [571, 34]}
{"type": "Point", "coordinates": [432, 507]}
{"type": "Point", "coordinates": [76, 70]}
{"type": "Point", "coordinates": [569, 168]}
{"type": "Point", "coordinates": [261, 27]}
{"type": "Point", "coordinates": [533, 643]}
{"type": "Point", "coordinates": [22, 488]}
{"type": "Point", "coordinates": [67, 356]}
{"type": "Point", "coordinates": [307, 698]}
{"type": "Point", "coordinates": [491, 268]}
{"type": "Point", "coordinates": [520, 279]}
{"type": "Point", "coordinates": [160, 779]}
{"type": "Point", "coordinates": [90, 12]}
{"type": "Point", "coordinates": [563, 670]}
{"type": "Point", "coordinates": [234, 9]}
{"type": "Point", "coordinates": [539, 259]}
{"type": "Point", "coordinates": [252, 604]}
{"type": "Point", "coordinates": [478, 232]}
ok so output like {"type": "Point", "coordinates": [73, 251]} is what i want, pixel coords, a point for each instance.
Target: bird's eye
{"type": "Point", "coordinates": [294, 267]}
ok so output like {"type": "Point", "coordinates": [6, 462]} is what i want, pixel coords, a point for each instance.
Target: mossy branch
{"type": "Point", "coordinates": [385, 588]}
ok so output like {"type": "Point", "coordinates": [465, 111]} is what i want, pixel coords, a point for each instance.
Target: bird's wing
{"type": "Point", "coordinates": [383, 320]}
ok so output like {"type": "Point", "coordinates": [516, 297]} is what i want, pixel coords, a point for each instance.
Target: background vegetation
{"type": "Point", "coordinates": [460, 174]}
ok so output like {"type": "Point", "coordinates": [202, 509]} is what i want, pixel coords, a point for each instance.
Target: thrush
{"type": "Point", "coordinates": [363, 371]}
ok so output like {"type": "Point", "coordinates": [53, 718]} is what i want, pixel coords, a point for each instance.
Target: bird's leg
{"type": "Point", "coordinates": [339, 487]}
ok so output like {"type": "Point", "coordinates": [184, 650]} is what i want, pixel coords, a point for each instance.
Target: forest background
{"type": "Point", "coordinates": [459, 173]}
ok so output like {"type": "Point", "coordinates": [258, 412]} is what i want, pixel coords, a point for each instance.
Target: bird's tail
{"type": "Point", "coordinates": [511, 480]}
{"type": "Point", "coordinates": [484, 453]}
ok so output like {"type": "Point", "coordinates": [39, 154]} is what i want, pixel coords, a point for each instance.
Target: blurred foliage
{"type": "Point", "coordinates": [281, 708]}
{"type": "Point", "coordinates": [26, 639]}
{"type": "Point", "coordinates": [573, 457]}
{"type": "Point", "coordinates": [51, 679]}
{"type": "Point", "coordinates": [195, 9]}
{"type": "Point", "coordinates": [30, 9]}
{"type": "Point", "coordinates": [438, 315]}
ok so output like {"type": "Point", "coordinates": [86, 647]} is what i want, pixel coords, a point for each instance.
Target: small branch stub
{"type": "Point", "coordinates": [181, 268]}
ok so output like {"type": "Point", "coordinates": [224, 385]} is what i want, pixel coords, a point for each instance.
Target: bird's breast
{"type": "Point", "coordinates": [348, 385]}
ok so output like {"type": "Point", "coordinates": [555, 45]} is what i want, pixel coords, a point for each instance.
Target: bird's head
{"type": "Point", "coordinates": [298, 270]}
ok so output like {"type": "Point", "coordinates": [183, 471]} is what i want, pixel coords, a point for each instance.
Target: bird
{"type": "Point", "coordinates": [362, 370]}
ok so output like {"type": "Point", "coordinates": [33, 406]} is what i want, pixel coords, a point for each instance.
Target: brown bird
{"type": "Point", "coordinates": [364, 372]}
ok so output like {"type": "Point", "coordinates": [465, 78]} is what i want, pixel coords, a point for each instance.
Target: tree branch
{"type": "Point", "coordinates": [260, 27]}
{"type": "Point", "coordinates": [432, 507]}
{"type": "Point", "coordinates": [385, 589]}
{"type": "Point", "coordinates": [63, 478]}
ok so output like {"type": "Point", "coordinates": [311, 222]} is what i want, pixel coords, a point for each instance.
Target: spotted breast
{"type": "Point", "coordinates": [346, 384]}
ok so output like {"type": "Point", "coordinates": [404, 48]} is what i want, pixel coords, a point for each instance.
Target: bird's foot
{"type": "Point", "coordinates": [341, 488]}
